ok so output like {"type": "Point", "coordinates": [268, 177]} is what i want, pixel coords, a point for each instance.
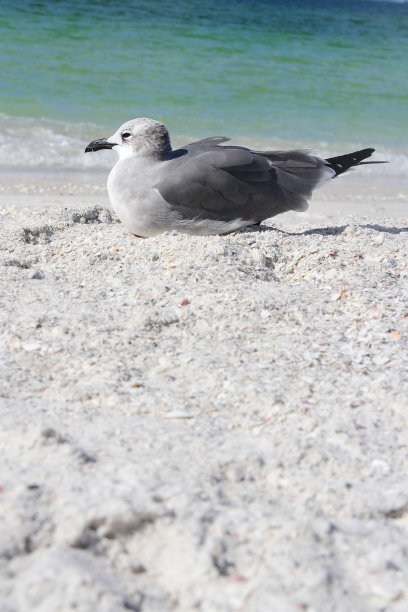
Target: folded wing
{"type": "Point", "coordinates": [205, 179]}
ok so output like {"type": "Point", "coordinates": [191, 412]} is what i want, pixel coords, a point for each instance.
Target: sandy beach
{"type": "Point", "coordinates": [203, 423]}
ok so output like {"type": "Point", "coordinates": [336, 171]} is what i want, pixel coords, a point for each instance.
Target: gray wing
{"type": "Point", "coordinates": [199, 146]}
{"type": "Point", "coordinates": [205, 180]}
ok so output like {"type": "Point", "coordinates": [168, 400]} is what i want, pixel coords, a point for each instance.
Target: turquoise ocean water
{"type": "Point", "coordinates": [321, 73]}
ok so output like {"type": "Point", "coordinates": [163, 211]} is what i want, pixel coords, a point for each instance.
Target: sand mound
{"type": "Point", "coordinates": [203, 423]}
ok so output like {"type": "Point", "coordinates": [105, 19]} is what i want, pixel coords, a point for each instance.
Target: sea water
{"type": "Point", "coordinates": [322, 74]}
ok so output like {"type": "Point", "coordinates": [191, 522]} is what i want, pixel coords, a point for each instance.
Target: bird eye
{"type": "Point", "coordinates": [126, 135]}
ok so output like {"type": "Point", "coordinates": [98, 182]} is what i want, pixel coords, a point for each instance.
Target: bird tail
{"type": "Point", "coordinates": [342, 163]}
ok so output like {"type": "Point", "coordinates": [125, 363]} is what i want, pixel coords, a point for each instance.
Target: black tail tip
{"type": "Point", "coordinates": [342, 163]}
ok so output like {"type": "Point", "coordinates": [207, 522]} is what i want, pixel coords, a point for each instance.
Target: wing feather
{"type": "Point", "coordinates": [208, 178]}
{"type": "Point", "coordinates": [205, 179]}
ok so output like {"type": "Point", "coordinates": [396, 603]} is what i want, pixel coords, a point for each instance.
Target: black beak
{"type": "Point", "coordinates": [101, 143]}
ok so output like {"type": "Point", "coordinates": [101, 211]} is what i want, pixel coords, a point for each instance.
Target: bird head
{"type": "Point", "coordinates": [136, 138]}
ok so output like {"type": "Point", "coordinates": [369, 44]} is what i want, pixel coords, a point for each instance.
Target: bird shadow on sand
{"type": "Point", "coordinates": [329, 231]}
{"type": "Point", "coordinates": [389, 230]}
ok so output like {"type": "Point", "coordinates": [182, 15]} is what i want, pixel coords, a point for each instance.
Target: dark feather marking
{"type": "Point", "coordinates": [342, 163]}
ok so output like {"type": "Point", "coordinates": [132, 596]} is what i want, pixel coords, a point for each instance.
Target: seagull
{"type": "Point", "coordinates": [206, 187]}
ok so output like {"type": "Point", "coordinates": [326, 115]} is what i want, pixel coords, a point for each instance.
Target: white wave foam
{"type": "Point", "coordinates": [34, 143]}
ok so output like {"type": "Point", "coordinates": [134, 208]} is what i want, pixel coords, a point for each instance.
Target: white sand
{"type": "Point", "coordinates": [203, 423]}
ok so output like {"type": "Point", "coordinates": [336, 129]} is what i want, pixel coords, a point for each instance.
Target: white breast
{"type": "Point", "coordinates": [134, 198]}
